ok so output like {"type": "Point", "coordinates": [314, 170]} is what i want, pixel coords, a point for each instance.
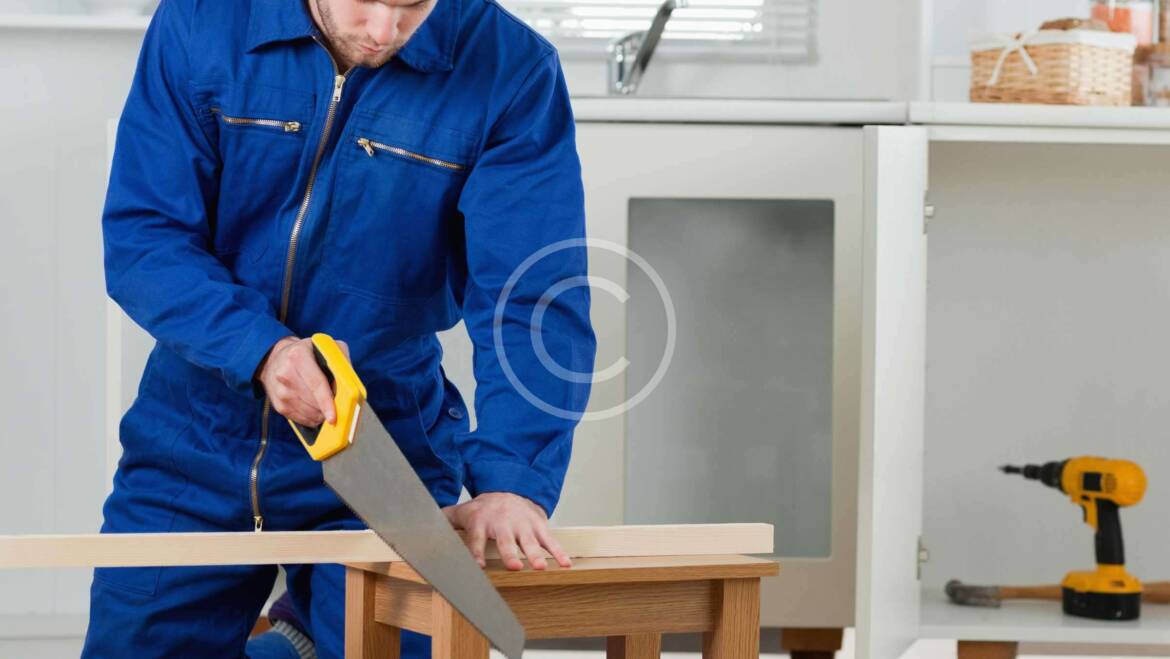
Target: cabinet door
{"type": "Point", "coordinates": [754, 234]}
{"type": "Point", "coordinates": [893, 373]}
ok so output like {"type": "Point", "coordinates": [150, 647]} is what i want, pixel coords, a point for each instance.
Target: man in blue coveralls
{"type": "Point", "coordinates": [376, 170]}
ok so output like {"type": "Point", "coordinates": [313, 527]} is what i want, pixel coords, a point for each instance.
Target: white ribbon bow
{"type": "Point", "coordinates": [1011, 45]}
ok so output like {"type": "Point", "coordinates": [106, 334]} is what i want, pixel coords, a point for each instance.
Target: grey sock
{"type": "Point", "coordinates": [304, 646]}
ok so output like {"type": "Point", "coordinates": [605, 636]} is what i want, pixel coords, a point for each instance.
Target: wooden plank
{"type": "Point", "coordinates": [364, 637]}
{"type": "Point", "coordinates": [292, 547]}
{"type": "Point", "coordinates": [737, 631]}
{"type": "Point", "coordinates": [634, 646]}
{"type": "Point", "coordinates": [624, 569]}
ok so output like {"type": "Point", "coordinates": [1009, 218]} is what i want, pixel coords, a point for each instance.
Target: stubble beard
{"type": "Point", "coordinates": [347, 48]}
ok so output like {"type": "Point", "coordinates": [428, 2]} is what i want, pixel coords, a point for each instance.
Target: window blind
{"type": "Point", "coordinates": [780, 29]}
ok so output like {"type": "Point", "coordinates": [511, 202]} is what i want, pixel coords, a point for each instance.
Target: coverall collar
{"type": "Point", "coordinates": [432, 48]}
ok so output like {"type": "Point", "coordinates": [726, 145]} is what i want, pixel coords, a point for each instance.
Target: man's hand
{"type": "Point", "coordinates": [514, 522]}
{"type": "Point", "coordinates": [296, 385]}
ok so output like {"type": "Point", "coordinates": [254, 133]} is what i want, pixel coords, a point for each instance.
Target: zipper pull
{"type": "Point", "coordinates": [292, 126]}
{"type": "Point", "coordinates": [338, 83]}
{"type": "Point", "coordinates": [365, 144]}
{"type": "Point", "coordinates": [259, 520]}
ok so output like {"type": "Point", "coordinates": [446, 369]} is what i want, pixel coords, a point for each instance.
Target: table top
{"type": "Point", "coordinates": [608, 570]}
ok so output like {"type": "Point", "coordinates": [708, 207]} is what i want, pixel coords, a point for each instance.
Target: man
{"type": "Point", "coordinates": [373, 169]}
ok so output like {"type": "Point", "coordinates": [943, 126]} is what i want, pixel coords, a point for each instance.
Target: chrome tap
{"type": "Point", "coordinates": [630, 54]}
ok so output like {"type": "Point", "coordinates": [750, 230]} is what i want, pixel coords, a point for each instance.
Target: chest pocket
{"type": "Point", "coordinates": [394, 212]}
{"type": "Point", "coordinates": [262, 136]}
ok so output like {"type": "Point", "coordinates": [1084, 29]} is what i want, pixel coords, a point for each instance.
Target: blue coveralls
{"type": "Point", "coordinates": [256, 195]}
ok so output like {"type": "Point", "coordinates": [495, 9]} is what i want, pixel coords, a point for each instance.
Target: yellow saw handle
{"type": "Point", "coordinates": [348, 396]}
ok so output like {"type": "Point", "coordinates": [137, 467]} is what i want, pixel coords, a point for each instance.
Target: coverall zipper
{"type": "Point", "coordinates": [288, 126]}
{"type": "Point", "coordinates": [369, 145]}
{"type": "Point", "coordinates": [290, 261]}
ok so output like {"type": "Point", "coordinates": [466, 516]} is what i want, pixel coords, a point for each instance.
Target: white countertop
{"type": "Point", "coordinates": [1043, 116]}
{"type": "Point", "coordinates": [745, 110]}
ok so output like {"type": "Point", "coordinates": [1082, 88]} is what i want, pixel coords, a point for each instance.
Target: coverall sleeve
{"type": "Point", "coordinates": [524, 216]}
{"type": "Point", "coordinates": [158, 216]}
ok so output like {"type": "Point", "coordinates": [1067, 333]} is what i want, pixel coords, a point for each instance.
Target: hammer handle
{"type": "Point", "coordinates": [1154, 592]}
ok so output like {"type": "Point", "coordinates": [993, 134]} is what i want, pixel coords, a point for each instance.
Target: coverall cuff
{"type": "Point", "coordinates": [262, 335]}
{"type": "Point", "coordinates": [514, 477]}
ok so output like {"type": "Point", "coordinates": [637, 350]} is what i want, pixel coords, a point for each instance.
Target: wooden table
{"type": "Point", "coordinates": [630, 601]}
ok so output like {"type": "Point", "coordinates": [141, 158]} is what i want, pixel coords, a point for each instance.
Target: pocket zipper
{"type": "Point", "coordinates": [288, 126]}
{"type": "Point", "coordinates": [370, 145]}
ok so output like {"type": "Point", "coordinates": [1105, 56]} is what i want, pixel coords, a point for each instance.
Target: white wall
{"type": "Point", "coordinates": [53, 117]}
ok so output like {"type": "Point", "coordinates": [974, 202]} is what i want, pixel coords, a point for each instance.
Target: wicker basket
{"type": "Point", "coordinates": [1069, 67]}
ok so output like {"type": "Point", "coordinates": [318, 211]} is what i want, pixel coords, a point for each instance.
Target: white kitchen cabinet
{"type": "Point", "coordinates": [1047, 307]}
{"type": "Point", "coordinates": [806, 247]}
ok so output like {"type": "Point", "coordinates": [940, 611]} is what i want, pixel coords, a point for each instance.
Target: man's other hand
{"type": "Point", "coordinates": [296, 385]}
{"type": "Point", "coordinates": [516, 523]}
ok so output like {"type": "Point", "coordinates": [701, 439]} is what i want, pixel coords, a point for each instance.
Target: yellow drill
{"type": "Point", "coordinates": [1099, 486]}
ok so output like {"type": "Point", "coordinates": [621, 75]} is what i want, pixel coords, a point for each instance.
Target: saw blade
{"type": "Point", "coordinates": [374, 479]}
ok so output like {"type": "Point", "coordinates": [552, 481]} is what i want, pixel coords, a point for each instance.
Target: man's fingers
{"type": "Point", "coordinates": [476, 542]}
{"type": "Point", "coordinates": [344, 349]}
{"type": "Point", "coordinates": [317, 386]}
{"type": "Point", "coordinates": [550, 543]}
{"type": "Point", "coordinates": [533, 551]}
{"type": "Point", "coordinates": [509, 552]}
{"type": "Point", "coordinates": [288, 405]}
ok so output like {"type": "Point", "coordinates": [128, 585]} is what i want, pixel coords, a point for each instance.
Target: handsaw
{"type": "Point", "coordinates": [364, 466]}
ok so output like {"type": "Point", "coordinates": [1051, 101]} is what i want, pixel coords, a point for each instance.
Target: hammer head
{"type": "Point", "coordinates": [965, 595]}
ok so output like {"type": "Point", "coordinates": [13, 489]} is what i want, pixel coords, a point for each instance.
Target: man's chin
{"type": "Point", "coordinates": [374, 61]}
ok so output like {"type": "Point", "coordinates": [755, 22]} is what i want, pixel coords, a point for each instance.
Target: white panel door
{"type": "Point", "coordinates": [755, 233]}
{"type": "Point", "coordinates": [893, 374]}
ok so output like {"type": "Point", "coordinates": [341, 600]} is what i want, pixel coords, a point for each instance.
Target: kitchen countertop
{"type": "Point", "coordinates": [1045, 116]}
{"type": "Point", "coordinates": [737, 110]}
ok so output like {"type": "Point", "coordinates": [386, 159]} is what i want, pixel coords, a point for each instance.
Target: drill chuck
{"type": "Point", "coordinates": [1049, 473]}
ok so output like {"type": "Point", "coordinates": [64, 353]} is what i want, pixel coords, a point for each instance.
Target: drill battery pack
{"type": "Point", "coordinates": [1107, 593]}
{"type": "Point", "coordinates": [1102, 606]}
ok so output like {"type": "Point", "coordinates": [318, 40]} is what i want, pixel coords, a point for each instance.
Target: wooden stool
{"type": "Point", "coordinates": [631, 601]}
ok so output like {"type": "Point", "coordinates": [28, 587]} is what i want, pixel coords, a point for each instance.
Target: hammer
{"type": "Point", "coordinates": [1155, 592]}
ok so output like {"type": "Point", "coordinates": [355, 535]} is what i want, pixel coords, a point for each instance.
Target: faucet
{"type": "Point", "coordinates": [630, 54]}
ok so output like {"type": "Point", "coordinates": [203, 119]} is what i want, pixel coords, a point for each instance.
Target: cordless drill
{"type": "Point", "coordinates": [1099, 486]}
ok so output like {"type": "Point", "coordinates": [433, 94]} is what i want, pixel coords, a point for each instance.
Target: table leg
{"type": "Point", "coordinates": [452, 637]}
{"type": "Point", "coordinates": [988, 649]}
{"type": "Point", "coordinates": [634, 646]}
{"type": "Point", "coordinates": [366, 638]}
{"type": "Point", "coordinates": [810, 643]}
{"type": "Point", "coordinates": [737, 628]}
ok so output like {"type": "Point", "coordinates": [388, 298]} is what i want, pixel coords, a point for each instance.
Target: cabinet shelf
{"type": "Point", "coordinates": [1037, 622]}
